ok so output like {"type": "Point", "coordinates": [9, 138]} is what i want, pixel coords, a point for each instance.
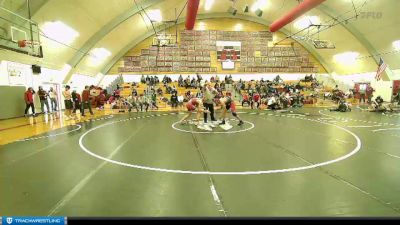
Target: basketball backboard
{"type": "Point", "coordinates": [17, 32]}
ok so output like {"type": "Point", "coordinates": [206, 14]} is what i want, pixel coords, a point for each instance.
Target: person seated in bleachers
{"type": "Point", "coordinates": [168, 89]}
{"type": "Point", "coordinates": [160, 91]}
{"type": "Point", "coordinates": [142, 79]}
{"type": "Point", "coordinates": [117, 92]}
{"type": "Point", "coordinates": [181, 100]}
{"type": "Point", "coordinates": [245, 99]}
{"type": "Point", "coordinates": [278, 80]}
{"type": "Point", "coordinates": [285, 100]}
{"type": "Point", "coordinates": [111, 99]}
{"type": "Point", "coordinates": [151, 83]}
{"type": "Point", "coordinates": [222, 86]}
{"type": "Point", "coordinates": [174, 100]}
{"type": "Point", "coordinates": [272, 102]}
{"type": "Point", "coordinates": [237, 87]}
{"type": "Point", "coordinates": [299, 87]}
{"type": "Point", "coordinates": [199, 94]}
{"type": "Point", "coordinates": [298, 100]}
{"type": "Point", "coordinates": [336, 89]}
{"type": "Point", "coordinates": [102, 99]}
{"type": "Point", "coordinates": [133, 102]}
{"type": "Point", "coordinates": [173, 90]}
{"type": "Point", "coordinates": [188, 94]}
{"type": "Point", "coordinates": [212, 80]}
{"type": "Point", "coordinates": [307, 79]}
{"type": "Point", "coordinates": [193, 83]}
{"type": "Point", "coordinates": [199, 78]}
{"type": "Point", "coordinates": [121, 104]}
{"type": "Point", "coordinates": [153, 101]}
{"type": "Point", "coordinates": [187, 83]}
{"type": "Point", "coordinates": [149, 89]}
{"type": "Point", "coordinates": [143, 101]}
{"type": "Point", "coordinates": [256, 100]}
{"type": "Point", "coordinates": [327, 95]}
{"type": "Point", "coordinates": [181, 83]}
{"type": "Point", "coordinates": [216, 86]}
{"type": "Point", "coordinates": [134, 92]}
{"type": "Point", "coordinates": [165, 80]}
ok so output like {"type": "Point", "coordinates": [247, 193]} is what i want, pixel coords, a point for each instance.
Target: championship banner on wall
{"type": "Point", "coordinates": [228, 50]}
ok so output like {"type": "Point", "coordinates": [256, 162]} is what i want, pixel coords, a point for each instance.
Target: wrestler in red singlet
{"type": "Point", "coordinates": [192, 104]}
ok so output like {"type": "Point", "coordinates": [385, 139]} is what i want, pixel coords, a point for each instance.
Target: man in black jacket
{"type": "Point", "coordinates": [43, 95]}
{"type": "Point", "coordinates": [174, 100]}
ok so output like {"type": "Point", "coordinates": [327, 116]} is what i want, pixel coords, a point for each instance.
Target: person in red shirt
{"type": "Point", "coordinates": [256, 99]}
{"type": "Point", "coordinates": [370, 93]}
{"type": "Point", "coordinates": [194, 104]}
{"type": "Point", "coordinates": [86, 101]}
{"type": "Point", "coordinates": [28, 96]}
{"type": "Point", "coordinates": [117, 92]}
{"type": "Point", "coordinates": [102, 100]}
{"type": "Point", "coordinates": [245, 99]}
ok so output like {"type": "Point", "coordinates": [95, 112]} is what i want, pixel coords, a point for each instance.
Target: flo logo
{"type": "Point", "coordinates": [371, 15]}
{"type": "Point", "coordinates": [9, 220]}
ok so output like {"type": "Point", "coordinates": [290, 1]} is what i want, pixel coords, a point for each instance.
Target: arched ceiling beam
{"type": "Point", "coordinates": [114, 23]}
{"type": "Point", "coordinates": [351, 29]}
{"type": "Point", "coordinates": [106, 29]}
{"type": "Point", "coordinates": [294, 13]}
{"type": "Point", "coordinates": [37, 7]}
{"type": "Point", "coordinates": [138, 40]}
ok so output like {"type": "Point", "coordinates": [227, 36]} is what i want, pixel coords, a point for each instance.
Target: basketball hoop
{"type": "Point", "coordinates": [24, 43]}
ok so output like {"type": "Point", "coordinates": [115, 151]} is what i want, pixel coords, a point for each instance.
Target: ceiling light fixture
{"type": "Point", "coordinates": [60, 32]}
{"type": "Point", "coordinates": [209, 4]}
{"type": "Point", "coordinates": [396, 45]}
{"type": "Point", "coordinates": [346, 58]}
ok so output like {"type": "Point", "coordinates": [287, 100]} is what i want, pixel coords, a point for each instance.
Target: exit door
{"type": "Point", "coordinates": [396, 86]}
{"type": "Point", "coordinates": [57, 88]}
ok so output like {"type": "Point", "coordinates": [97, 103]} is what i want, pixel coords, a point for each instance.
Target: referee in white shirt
{"type": "Point", "coordinates": [208, 101]}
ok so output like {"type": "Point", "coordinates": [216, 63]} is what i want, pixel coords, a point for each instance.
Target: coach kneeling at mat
{"type": "Point", "coordinates": [208, 101]}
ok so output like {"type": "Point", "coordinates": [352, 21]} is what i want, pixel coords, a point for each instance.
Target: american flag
{"type": "Point", "coordinates": [381, 68]}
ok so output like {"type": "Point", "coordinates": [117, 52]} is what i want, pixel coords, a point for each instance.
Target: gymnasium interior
{"type": "Point", "coordinates": [200, 108]}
